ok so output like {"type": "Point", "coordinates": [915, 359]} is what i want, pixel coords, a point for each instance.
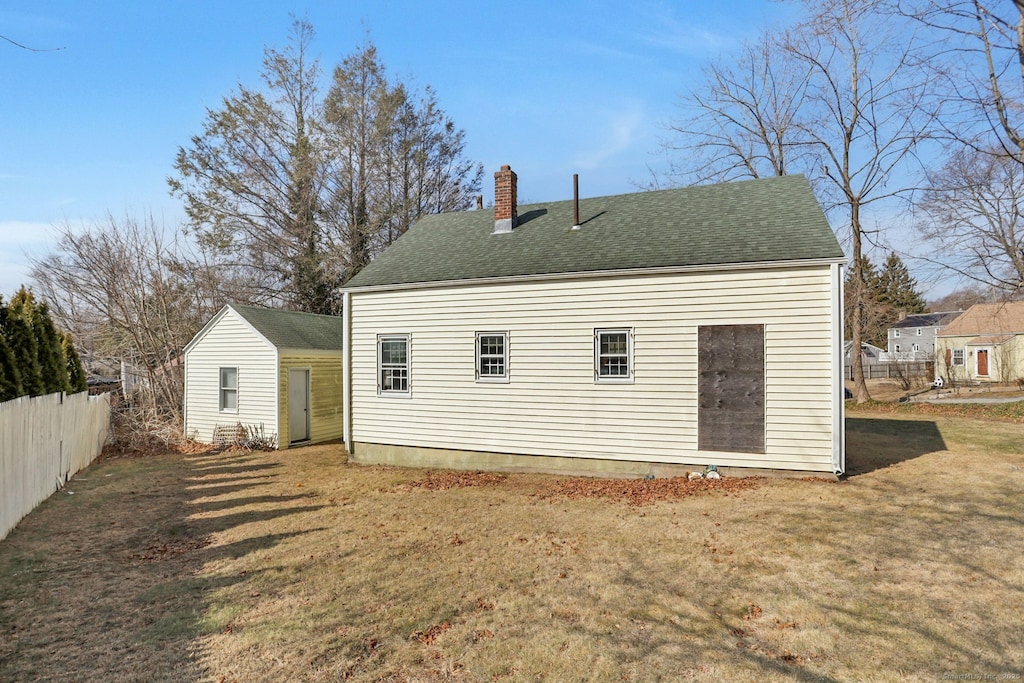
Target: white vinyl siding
{"type": "Point", "coordinates": [230, 342]}
{"type": "Point", "coordinates": [554, 406]}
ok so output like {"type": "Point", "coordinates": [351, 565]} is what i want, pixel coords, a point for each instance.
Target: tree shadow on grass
{"type": "Point", "coordinates": [873, 443]}
{"type": "Point", "coordinates": [122, 576]}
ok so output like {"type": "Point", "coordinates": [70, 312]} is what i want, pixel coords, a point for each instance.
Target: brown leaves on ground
{"type": "Point", "coordinates": [443, 480]}
{"type": "Point", "coordinates": [639, 492]}
{"type": "Point", "coordinates": [635, 492]}
{"type": "Point", "coordinates": [157, 552]}
{"type": "Point", "coordinates": [431, 633]}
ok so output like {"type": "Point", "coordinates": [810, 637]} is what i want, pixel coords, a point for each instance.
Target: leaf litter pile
{"type": "Point", "coordinates": [635, 492]}
{"type": "Point", "coordinates": [639, 492]}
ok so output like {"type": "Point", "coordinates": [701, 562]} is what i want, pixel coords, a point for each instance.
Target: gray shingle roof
{"type": "Point", "coordinates": [294, 330]}
{"type": "Point", "coordinates": [770, 219]}
{"type": "Point", "coordinates": [927, 319]}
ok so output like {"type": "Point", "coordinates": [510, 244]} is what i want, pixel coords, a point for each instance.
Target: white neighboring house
{"type": "Point", "coordinates": [273, 371]}
{"type": "Point", "coordinates": [912, 337]}
{"type": "Point", "coordinates": [645, 333]}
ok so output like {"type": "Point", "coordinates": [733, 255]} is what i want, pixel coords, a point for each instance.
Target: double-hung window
{"type": "Point", "coordinates": [613, 355]}
{"type": "Point", "coordinates": [492, 356]}
{"type": "Point", "coordinates": [228, 390]}
{"type": "Point", "coordinates": [958, 357]}
{"type": "Point", "coordinates": [393, 365]}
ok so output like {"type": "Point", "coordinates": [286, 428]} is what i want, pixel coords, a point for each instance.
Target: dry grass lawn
{"type": "Point", "coordinates": [297, 566]}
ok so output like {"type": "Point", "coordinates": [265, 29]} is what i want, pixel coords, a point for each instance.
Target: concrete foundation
{"type": "Point", "coordinates": [440, 458]}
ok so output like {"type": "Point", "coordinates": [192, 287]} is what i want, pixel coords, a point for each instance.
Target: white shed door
{"type": "Point", "coordinates": [298, 405]}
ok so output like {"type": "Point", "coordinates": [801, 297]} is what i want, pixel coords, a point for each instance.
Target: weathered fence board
{"type": "Point", "coordinates": [44, 441]}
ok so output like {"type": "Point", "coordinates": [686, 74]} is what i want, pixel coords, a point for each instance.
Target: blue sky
{"type": "Point", "coordinates": [550, 88]}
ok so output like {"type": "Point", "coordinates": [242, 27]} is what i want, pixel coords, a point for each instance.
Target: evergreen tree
{"type": "Point", "coordinates": [52, 363]}
{"type": "Point", "coordinates": [895, 290]}
{"type": "Point", "coordinates": [25, 350]}
{"type": "Point", "coordinates": [76, 373]}
{"type": "Point", "coordinates": [50, 368]}
{"type": "Point", "coordinates": [10, 378]}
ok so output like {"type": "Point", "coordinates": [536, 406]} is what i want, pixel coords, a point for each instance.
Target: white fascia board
{"type": "Point", "coordinates": [600, 274]}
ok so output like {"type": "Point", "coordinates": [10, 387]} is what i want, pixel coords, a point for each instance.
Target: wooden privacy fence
{"type": "Point", "coordinates": [44, 441]}
{"type": "Point", "coordinates": [914, 369]}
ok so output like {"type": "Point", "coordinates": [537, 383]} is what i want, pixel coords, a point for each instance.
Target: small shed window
{"type": "Point", "coordinates": [229, 390]}
{"type": "Point", "coordinates": [896, 333]}
{"type": "Point", "coordinates": [492, 356]}
{"type": "Point", "coordinates": [919, 332]}
{"type": "Point", "coordinates": [613, 355]}
{"type": "Point", "coordinates": [393, 364]}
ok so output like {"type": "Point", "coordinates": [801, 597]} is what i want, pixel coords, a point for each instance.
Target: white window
{"type": "Point", "coordinates": [393, 365]}
{"type": "Point", "coordinates": [613, 355]}
{"type": "Point", "coordinates": [919, 333]}
{"type": "Point", "coordinates": [229, 390]}
{"type": "Point", "coordinates": [896, 333]}
{"type": "Point", "coordinates": [492, 356]}
{"type": "Point", "coordinates": [958, 357]}
{"type": "Point", "coordinates": [897, 348]}
{"type": "Point", "coordinates": [916, 347]}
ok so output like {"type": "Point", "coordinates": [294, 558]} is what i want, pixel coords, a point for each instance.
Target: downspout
{"type": "Point", "coordinates": [838, 374]}
{"type": "Point", "coordinates": [346, 368]}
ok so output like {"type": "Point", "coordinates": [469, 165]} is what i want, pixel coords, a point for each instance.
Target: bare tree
{"type": "Point", "coordinates": [252, 181]}
{"type": "Point", "coordinates": [840, 98]}
{"type": "Point", "coordinates": [743, 121]}
{"type": "Point", "coordinates": [974, 210]}
{"type": "Point", "coordinates": [122, 291]}
{"type": "Point", "coordinates": [971, 207]}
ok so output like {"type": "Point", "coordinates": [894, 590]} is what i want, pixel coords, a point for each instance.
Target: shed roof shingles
{"type": "Point", "coordinates": [294, 330]}
{"type": "Point", "coordinates": [755, 221]}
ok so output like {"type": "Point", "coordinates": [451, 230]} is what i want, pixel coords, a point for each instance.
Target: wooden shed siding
{"type": "Point", "coordinates": [325, 394]}
{"type": "Point", "coordinates": [230, 343]}
{"type": "Point", "coordinates": [552, 406]}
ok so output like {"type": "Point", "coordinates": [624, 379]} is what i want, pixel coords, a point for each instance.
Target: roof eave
{"type": "Point", "coordinates": [591, 274]}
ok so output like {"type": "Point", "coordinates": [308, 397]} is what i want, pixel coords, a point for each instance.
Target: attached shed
{"type": "Point", "coordinates": [273, 371]}
{"type": "Point", "coordinates": [636, 334]}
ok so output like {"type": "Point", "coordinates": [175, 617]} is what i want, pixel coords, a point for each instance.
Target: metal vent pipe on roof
{"type": "Point", "coordinates": [575, 201]}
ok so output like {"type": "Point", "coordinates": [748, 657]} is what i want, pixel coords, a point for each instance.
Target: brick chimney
{"type": "Point", "coordinates": [505, 216]}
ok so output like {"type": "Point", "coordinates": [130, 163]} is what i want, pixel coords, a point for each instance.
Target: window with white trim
{"type": "Point", "coordinates": [958, 357]}
{"type": "Point", "coordinates": [919, 332]}
{"type": "Point", "coordinates": [228, 390]}
{"type": "Point", "coordinates": [393, 364]}
{"type": "Point", "coordinates": [896, 333]}
{"type": "Point", "coordinates": [492, 356]}
{"type": "Point", "coordinates": [613, 355]}
{"type": "Point", "coordinates": [897, 348]}
{"type": "Point", "coordinates": [915, 347]}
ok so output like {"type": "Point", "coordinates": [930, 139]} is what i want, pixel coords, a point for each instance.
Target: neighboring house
{"type": "Point", "coordinates": [869, 353]}
{"type": "Point", "coordinates": [986, 343]}
{"type": "Point", "coordinates": [638, 334]}
{"type": "Point", "coordinates": [912, 338]}
{"type": "Point", "coordinates": [273, 371]}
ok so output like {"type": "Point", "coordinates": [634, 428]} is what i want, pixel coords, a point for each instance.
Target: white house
{"type": "Point", "coordinates": [636, 334]}
{"type": "Point", "coordinates": [274, 372]}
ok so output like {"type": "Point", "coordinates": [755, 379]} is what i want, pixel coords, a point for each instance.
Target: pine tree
{"type": "Point", "coordinates": [896, 290]}
{"type": "Point", "coordinates": [76, 373]}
